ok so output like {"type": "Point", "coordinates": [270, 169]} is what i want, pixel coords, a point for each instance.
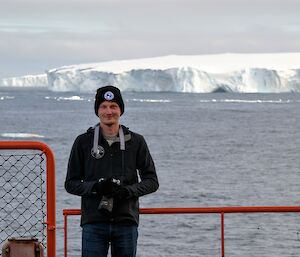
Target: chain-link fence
{"type": "Point", "coordinates": [22, 195]}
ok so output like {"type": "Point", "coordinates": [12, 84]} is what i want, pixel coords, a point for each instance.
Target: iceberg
{"type": "Point", "coordinates": [39, 80]}
{"type": "Point", "coordinates": [21, 135]}
{"type": "Point", "coordinates": [243, 73]}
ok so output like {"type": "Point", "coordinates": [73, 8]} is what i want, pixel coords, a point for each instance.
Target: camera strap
{"type": "Point", "coordinates": [122, 139]}
{"type": "Point", "coordinates": [97, 150]}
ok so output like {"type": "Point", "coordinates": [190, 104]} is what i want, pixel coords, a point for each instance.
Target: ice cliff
{"type": "Point", "coordinates": [199, 74]}
{"type": "Point", "coordinates": [25, 81]}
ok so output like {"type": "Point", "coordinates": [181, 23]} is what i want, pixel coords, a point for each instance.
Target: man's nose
{"type": "Point", "coordinates": [109, 110]}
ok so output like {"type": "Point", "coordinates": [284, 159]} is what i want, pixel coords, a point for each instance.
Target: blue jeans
{"type": "Point", "coordinates": [97, 237]}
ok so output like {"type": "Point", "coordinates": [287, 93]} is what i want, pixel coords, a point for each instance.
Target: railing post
{"type": "Point", "coordinates": [65, 235]}
{"type": "Point", "coordinates": [51, 200]}
{"type": "Point", "coordinates": [222, 235]}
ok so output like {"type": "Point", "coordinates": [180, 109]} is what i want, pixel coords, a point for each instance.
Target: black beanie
{"type": "Point", "coordinates": [108, 93]}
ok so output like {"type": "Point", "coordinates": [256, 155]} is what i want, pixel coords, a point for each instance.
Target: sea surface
{"type": "Point", "coordinates": [217, 149]}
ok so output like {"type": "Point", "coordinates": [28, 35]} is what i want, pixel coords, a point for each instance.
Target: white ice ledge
{"type": "Point", "coordinates": [198, 74]}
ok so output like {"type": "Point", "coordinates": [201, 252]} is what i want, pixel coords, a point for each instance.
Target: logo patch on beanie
{"type": "Point", "coordinates": [109, 96]}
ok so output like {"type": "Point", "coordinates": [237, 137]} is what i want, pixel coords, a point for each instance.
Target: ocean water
{"type": "Point", "coordinates": [218, 149]}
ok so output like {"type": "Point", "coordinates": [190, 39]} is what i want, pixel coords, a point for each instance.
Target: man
{"type": "Point", "coordinates": [102, 169]}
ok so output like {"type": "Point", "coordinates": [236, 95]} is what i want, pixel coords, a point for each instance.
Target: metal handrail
{"type": "Point", "coordinates": [50, 192]}
{"type": "Point", "coordinates": [194, 210]}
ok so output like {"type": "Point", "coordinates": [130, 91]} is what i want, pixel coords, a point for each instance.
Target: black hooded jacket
{"type": "Point", "coordinates": [134, 167]}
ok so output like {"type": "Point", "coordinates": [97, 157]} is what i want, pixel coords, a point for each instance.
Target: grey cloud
{"type": "Point", "coordinates": [35, 34]}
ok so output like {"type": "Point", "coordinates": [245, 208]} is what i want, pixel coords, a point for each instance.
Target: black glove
{"type": "Point", "coordinates": [105, 187]}
{"type": "Point", "coordinates": [100, 187]}
{"type": "Point", "coordinates": [121, 193]}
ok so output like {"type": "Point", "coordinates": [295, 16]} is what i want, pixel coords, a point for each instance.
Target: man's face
{"type": "Point", "coordinates": [109, 113]}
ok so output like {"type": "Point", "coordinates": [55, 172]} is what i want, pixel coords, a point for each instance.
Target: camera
{"type": "Point", "coordinates": [107, 202]}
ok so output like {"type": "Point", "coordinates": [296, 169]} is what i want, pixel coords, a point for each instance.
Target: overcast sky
{"type": "Point", "coordinates": [36, 35]}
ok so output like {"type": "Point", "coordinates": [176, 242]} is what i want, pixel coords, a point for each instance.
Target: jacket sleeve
{"type": "Point", "coordinates": [75, 182]}
{"type": "Point", "coordinates": [147, 172]}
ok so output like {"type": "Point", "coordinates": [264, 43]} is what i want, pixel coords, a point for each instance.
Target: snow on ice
{"type": "Point", "coordinates": [246, 73]}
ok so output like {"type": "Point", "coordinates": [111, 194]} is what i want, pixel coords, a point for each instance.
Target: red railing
{"type": "Point", "coordinates": [50, 190]}
{"type": "Point", "coordinates": [194, 210]}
